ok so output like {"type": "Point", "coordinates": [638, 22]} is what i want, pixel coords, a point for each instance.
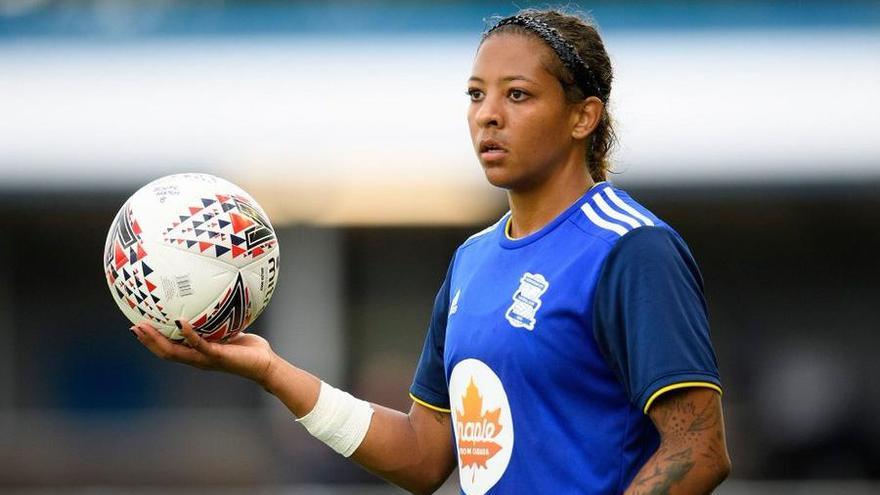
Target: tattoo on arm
{"type": "Point", "coordinates": [439, 417]}
{"type": "Point", "coordinates": [669, 470]}
{"type": "Point", "coordinates": [691, 428]}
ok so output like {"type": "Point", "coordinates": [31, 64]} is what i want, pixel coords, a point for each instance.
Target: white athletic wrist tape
{"type": "Point", "coordinates": [338, 419]}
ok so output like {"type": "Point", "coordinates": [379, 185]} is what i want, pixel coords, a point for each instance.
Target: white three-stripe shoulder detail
{"type": "Point", "coordinates": [601, 222]}
{"type": "Point", "coordinates": [616, 215]}
{"type": "Point", "coordinates": [627, 208]}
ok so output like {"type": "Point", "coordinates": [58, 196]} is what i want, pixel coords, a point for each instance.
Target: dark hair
{"type": "Point", "coordinates": [582, 33]}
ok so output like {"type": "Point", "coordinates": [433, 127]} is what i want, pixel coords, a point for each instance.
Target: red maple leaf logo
{"type": "Point", "coordinates": [476, 429]}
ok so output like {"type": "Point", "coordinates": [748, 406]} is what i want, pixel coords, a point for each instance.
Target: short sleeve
{"type": "Point", "coordinates": [650, 317]}
{"type": "Point", "coordinates": [429, 385]}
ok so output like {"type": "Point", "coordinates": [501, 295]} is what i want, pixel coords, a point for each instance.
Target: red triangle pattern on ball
{"type": "Point", "coordinates": [228, 317]}
{"type": "Point", "coordinates": [239, 222]}
{"type": "Point", "coordinates": [226, 227]}
{"type": "Point", "coordinates": [127, 271]}
{"type": "Point", "coordinates": [120, 256]}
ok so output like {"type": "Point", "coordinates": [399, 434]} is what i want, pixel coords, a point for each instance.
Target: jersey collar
{"type": "Point", "coordinates": [508, 242]}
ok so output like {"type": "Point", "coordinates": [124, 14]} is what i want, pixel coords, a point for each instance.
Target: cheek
{"type": "Point", "coordinates": [555, 121]}
{"type": "Point", "coordinates": [543, 150]}
{"type": "Point", "coordinates": [542, 135]}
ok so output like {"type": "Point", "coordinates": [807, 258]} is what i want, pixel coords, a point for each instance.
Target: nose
{"type": "Point", "coordinates": [489, 113]}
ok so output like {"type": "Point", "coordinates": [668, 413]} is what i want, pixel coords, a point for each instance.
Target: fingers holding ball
{"type": "Point", "coordinates": [165, 349]}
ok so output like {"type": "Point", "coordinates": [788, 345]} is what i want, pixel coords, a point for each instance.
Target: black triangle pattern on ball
{"type": "Point", "coordinates": [231, 224]}
{"type": "Point", "coordinates": [229, 316]}
{"type": "Point", "coordinates": [127, 272]}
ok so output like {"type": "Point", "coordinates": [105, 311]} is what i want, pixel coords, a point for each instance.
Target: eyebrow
{"type": "Point", "coordinates": [516, 77]}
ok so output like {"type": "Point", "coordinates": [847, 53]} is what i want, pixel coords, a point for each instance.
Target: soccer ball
{"type": "Point", "coordinates": [196, 247]}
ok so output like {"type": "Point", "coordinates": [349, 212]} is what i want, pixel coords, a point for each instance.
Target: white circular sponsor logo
{"type": "Point", "coordinates": [483, 425]}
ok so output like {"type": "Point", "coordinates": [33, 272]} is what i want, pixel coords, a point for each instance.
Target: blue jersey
{"type": "Point", "coordinates": [548, 350]}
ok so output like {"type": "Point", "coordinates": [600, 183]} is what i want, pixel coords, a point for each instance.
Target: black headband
{"type": "Point", "coordinates": [567, 53]}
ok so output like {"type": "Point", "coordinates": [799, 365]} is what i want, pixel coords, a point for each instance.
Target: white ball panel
{"type": "Point", "coordinates": [191, 283]}
{"type": "Point", "coordinates": [261, 276]}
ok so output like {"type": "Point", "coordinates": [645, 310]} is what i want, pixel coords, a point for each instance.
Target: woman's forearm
{"type": "Point", "coordinates": [692, 458]}
{"type": "Point", "coordinates": [409, 450]}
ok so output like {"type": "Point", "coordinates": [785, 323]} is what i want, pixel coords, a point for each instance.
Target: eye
{"type": "Point", "coordinates": [517, 95]}
{"type": "Point", "coordinates": [475, 94]}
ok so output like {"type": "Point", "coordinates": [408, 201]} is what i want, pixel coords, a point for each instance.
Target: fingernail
{"type": "Point", "coordinates": [133, 332]}
{"type": "Point", "coordinates": [179, 325]}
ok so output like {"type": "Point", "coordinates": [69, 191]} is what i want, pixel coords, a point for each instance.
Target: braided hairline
{"type": "Point", "coordinates": [567, 53]}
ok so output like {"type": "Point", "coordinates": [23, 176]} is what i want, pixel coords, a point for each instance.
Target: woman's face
{"type": "Point", "coordinates": [520, 122]}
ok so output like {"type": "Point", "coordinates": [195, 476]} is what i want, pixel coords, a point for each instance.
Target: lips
{"type": "Point", "coordinates": [492, 150]}
{"type": "Point", "coordinates": [491, 145]}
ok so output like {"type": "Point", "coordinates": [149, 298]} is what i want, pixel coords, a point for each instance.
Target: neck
{"type": "Point", "coordinates": [533, 208]}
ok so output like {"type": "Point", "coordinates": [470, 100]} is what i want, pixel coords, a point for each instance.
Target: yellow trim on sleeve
{"type": "Point", "coordinates": [429, 406]}
{"type": "Point", "coordinates": [676, 386]}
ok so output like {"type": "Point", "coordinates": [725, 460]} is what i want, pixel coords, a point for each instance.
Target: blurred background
{"type": "Point", "coordinates": [750, 126]}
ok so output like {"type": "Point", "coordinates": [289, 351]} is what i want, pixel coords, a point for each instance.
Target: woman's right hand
{"type": "Point", "coordinates": [246, 354]}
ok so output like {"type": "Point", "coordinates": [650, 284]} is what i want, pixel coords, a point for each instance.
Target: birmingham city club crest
{"type": "Point", "coordinates": [527, 301]}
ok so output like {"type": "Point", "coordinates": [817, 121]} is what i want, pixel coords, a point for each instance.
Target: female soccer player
{"type": "Point", "coordinates": [568, 351]}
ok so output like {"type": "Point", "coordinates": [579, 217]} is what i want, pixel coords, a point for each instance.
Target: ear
{"type": "Point", "coordinates": [586, 116]}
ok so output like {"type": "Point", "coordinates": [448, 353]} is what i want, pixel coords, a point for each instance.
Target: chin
{"type": "Point", "coordinates": [497, 177]}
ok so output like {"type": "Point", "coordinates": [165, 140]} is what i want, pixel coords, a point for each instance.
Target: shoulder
{"type": "Point", "coordinates": [611, 214]}
{"type": "Point", "coordinates": [643, 248]}
{"type": "Point", "coordinates": [648, 261]}
{"type": "Point", "coordinates": [638, 240]}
